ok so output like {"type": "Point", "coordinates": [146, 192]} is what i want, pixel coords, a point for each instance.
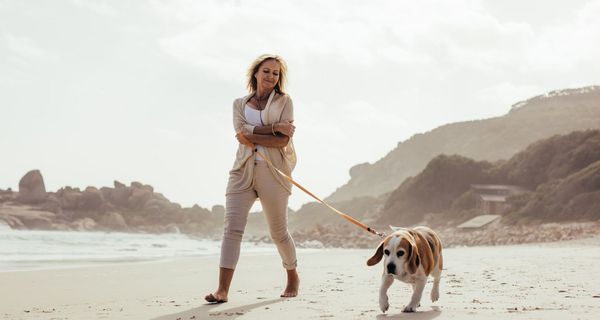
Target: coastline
{"type": "Point", "coordinates": [38, 249]}
{"type": "Point", "coordinates": [530, 281]}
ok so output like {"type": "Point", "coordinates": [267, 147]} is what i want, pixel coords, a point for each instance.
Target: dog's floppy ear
{"type": "Point", "coordinates": [378, 254]}
{"type": "Point", "coordinates": [413, 261]}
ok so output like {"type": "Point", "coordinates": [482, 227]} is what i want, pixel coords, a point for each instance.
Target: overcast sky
{"type": "Point", "coordinates": [96, 91]}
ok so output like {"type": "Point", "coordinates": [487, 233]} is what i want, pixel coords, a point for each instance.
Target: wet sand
{"type": "Point", "coordinates": [535, 281]}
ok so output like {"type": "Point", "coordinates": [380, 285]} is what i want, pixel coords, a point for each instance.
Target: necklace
{"type": "Point", "coordinates": [258, 106]}
{"type": "Point", "coordinates": [259, 101]}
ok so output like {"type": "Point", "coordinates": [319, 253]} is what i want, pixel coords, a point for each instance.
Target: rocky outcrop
{"type": "Point", "coordinates": [13, 222]}
{"type": "Point", "coordinates": [134, 208]}
{"type": "Point", "coordinates": [52, 204]}
{"type": "Point", "coordinates": [69, 198]}
{"type": "Point", "coordinates": [217, 210]}
{"type": "Point", "coordinates": [113, 221]}
{"type": "Point", "coordinates": [7, 195]}
{"type": "Point", "coordinates": [32, 188]}
{"type": "Point", "coordinates": [349, 236]}
{"type": "Point", "coordinates": [120, 194]}
{"type": "Point", "coordinates": [91, 199]}
{"type": "Point", "coordinates": [27, 217]}
{"type": "Point", "coordinates": [140, 194]}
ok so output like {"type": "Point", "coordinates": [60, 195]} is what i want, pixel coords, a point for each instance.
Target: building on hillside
{"type": "Point", "coordinates": [492, 203]}
{"type": "Point", "coordinates": [493, 197]}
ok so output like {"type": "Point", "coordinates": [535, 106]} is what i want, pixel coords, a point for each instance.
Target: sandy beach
{"type": "Point", "coordinates": [534, 281]}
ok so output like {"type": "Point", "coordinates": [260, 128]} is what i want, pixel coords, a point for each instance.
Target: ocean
{"type": "Point", "coordinates": [22, 250]}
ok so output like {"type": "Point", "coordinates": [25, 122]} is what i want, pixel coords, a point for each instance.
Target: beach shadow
{"type": "Point", "coordinates": [419, 315]}
{"type": "Point", "coordinates": [203, 312]}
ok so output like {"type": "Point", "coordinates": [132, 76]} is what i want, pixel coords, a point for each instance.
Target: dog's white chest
{"type": "Point", "coordinates": [408, 278]}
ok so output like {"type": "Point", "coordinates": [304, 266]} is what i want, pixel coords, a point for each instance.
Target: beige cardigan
{"type": "Point", "coordinates": [279, 108]}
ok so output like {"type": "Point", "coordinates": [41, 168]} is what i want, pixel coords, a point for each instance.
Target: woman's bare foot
{"type": "Point", "coordinates": [220, 296]}
{"type": "Point", "coordinates": [217, 297]}
{"type": "Point", "coordinates": [293, 282]}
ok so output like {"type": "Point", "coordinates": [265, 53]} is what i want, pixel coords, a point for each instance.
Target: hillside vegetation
{"type": "Point", "coordinates": [562, 174]}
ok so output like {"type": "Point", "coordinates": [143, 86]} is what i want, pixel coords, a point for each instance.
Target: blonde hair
{"type": "Point", "coordinates": [280, 86]}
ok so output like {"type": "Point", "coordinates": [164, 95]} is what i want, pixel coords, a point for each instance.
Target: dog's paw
{"type": "Point", "coordinates": [410, 308]}
{"type": "Point", "coordinates": [435, 295]}
{"type": "Point", "coordinates": [384, 305]}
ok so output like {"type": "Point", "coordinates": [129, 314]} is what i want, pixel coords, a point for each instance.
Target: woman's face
{"type": "Point", "coordinates": [267, 75]}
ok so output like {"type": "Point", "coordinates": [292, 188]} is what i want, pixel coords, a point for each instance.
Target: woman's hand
{"type": "Point", "coordinates": [286, 128]}
{"type": "Point", "coordinates": [241, 138]}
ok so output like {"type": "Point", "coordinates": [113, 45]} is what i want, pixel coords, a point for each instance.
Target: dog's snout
{"type": "Point", "coordinates": [391, 267]}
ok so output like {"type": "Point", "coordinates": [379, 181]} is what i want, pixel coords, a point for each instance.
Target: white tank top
{"type": "Point", "coordinates": [253, 117]}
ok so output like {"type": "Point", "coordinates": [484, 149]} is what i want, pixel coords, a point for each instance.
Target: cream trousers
{"type": "Point", "coordinates": [274, 200]}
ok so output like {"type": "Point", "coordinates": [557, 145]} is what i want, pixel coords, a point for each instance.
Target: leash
{"type": "Point", "coordinates": [343, 215]}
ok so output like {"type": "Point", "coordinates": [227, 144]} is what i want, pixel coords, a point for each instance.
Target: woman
{"type": "Point", "coordinates": [262, 119]}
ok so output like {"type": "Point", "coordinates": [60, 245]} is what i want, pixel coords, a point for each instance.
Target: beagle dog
{"type": "Point", "coordinates": [411, 255]}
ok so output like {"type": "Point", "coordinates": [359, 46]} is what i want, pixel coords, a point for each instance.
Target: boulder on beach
{"type": "Point", "coordinates": [7, 195]}
{"type": "Point", "coordinates": [217, 209]}
{"type": "Point", "coordinates": [139, 185]}
{"type": "Point", "coordinates": [138, 198]}
{"type": "Point", "coordinates": [106, 193]}
{"type": "Point", "coordinates": [91, 199]}
{"type": "Point", "coordinates": [36, 219]}
{"type": "Point", "coordinates": [52, 204]}
{"type": "Point", "coordinates": [120, 195]}
{"type": "Point", "coordinates": [69, 197]}
{"type": "Point", "coordinates": [32, 188]}
{"type": "Point", "coordinates": [155, 206]}
{"type": "Point", "coordinates": [140, 194]}
{"type": "Point", "coordinates": [113, 221]}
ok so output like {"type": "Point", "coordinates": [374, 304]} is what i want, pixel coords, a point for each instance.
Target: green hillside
{"type": "Point", "coordinates": [561, 172]}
